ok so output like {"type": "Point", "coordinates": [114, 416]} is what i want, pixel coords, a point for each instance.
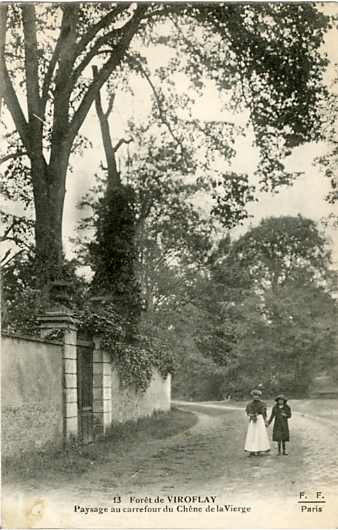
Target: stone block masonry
{"type": "Point", "coordinates": [102, 406]}
{"type": "Point", "coordinates": [64, 321]}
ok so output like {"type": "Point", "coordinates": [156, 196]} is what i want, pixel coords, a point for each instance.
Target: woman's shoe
{"type": "Point", "coordinates": [285, 453]}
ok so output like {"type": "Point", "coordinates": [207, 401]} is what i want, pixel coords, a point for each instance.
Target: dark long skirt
{"type": "Point", "coordinates": [280, 431]}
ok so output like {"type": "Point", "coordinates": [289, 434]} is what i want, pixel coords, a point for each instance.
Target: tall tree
{"type": "Point", "coordinates": [270, 309]}
{"type": "Point", "coordinates": [284, 249]}
{"type": "Point", "coordinates": [171, 238]}
{"type": "Point", "coordinates": [268, 52]}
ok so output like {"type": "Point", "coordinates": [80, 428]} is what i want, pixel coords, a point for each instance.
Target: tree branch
{"type": "Point", "coordinates": [12, 102]}
{"type": "Point", "coordinates": [159, 105]}
{"type": "Point", "coordinates": [5, 264]}
{"type": "Point", "coordinates": [114, 180]}
{"type": "Point", "coordinates": [7, 231]}
{"type": "Point", "coordinates": [103, 23]}
{"type": "Point", "coordinates": [15, 223]}
{"type": "Point", "coordinates": [105, 72]}
{"type": "Point", "coordinates": [8, 93]}
{"type": "Point", "coordinates": [63, 87]}
{"type": "Point", "coordinates": [121, 142]}
{"type": "Point", "coordinates": [3, 259]}
{"type": "Point", "coordinates": [49, 74]}
{"type": "Point", "coordinates": [93, 52]}
{"type": "Point", "coordinates": [110, 106]}
{"type": "Point", "coordinates": [19, 242]}
{"type": "Point", "coordinates": [12, 155]}
{"type": "Point", "coordinates": [31, 62]}
{"type": "Point", "coordinates": [3, 23]}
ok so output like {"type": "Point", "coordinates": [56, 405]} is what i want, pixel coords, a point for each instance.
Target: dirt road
{"type": "Point", "coordinates": [208, 468]}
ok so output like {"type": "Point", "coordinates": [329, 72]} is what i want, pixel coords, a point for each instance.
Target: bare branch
{"type": "Point", "coordinates": [3, 263]}
{"type": "Point", "coordinates": [14, 107]}
{"type": "Point", "coordinates": [91, 54]}
{"type": "Point", "coordinates": [31, 60]}
{"type": "Point", "coordinates": [121, 142]}
{"type": "Point", "coordinates": [3, 23]}
{"type": "Point", "coordinates": [50, 71]}
{"type": "Point", "coordinates": [159, 105]}
{"type": "Point", "coordinates": [63, 85]}
{"type": "Point", "coordinates": [110, 105]}
{"type": "Point", "coordinates": [3, 259]}
{"type": "Point", "coordinates": [7, 231]}
{"type": "Point", "coordinates": [114, 179]}
{"type": "Point", "coordinates": [115, 59]}
{"type": "Point", "coordinates": [12, 155]}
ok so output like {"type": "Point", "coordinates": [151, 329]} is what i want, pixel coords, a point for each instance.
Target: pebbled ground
{"type": "Point", "coordinates": [206, 462]}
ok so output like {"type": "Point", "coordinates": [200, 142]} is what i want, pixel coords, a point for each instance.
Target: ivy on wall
{"type": "Point", "coordinates": [137, 357]}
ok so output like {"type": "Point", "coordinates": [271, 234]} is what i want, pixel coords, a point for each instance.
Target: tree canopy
{"type": "Point", "coordinates": [270, 307]}
{"type": "Point", "coordinates": [283, 249]}
{"type": "Point", "coordinates": [266, 55]}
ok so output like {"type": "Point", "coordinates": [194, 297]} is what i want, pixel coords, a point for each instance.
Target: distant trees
{"type": "Point", "coordinates": [271, 309]}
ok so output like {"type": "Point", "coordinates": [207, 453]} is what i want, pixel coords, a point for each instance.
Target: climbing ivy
{"type": "Point", "coordinates": [135, 357]}
{"type": "Point", "coordinates": [113, 253]}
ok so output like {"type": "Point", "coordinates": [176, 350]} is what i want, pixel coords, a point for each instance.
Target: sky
{"type": "Point", "coordinates": [306, 196]}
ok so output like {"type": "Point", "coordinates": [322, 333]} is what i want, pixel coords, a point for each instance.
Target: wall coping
{"type": "Point", "coordinates": [32, 339]}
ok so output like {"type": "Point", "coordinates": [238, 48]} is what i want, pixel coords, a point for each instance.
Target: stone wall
{"type": "Point", "coordinates": [111, 404]}
{"type": "Point", "coordinates": [39, 393]}
{"type": "Point", "coordinates": [31, 394]}
{"type": "Point", "coordinates": [126, 404]}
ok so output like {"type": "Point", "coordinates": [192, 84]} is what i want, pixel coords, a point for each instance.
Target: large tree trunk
{"type": "Point", "coordinates": [49, 197]}
{"type": "Point", "coordinates": [68, 61]}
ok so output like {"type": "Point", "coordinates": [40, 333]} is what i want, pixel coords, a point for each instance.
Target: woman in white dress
{"type": "Point", "coordinates": [257, 440]}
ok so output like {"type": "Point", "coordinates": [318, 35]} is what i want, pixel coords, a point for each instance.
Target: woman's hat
{"type": "Point", "coordinates": [255, 393]}
{"type": "Point", "coordinates": [281, 397]}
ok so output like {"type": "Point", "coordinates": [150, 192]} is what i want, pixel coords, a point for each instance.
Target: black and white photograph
{"type": "Point", "coordinates": [169, 256]}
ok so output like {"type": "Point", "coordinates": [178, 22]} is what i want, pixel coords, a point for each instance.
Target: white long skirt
{"type": "Point", "coordinates": [257, 436]}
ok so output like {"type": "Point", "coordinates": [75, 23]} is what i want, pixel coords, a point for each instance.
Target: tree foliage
{"type": "Point", "coordinates": [284, 249]}
{"type": "Point", "coordinates": [271, 309]}
{"type": "Point", "coordinates": [265, 58]}
{"type": "Point", "coordinates": [136, 355]}
{"type": "Point", "coordinates": [267, 55]}
{"type": "Point", "coordinates": [21, 302]}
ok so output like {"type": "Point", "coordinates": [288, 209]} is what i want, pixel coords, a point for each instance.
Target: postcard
{"type": "Point", "coordinates": [169, 299]}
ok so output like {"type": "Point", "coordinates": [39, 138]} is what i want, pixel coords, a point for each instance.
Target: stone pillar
{"type": "Point", "coordinates": [61, 318]}
{"type": "Point", "coordinates": [102, 400]}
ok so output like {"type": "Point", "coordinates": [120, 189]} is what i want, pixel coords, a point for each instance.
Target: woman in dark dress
{"type": "Point", "coordinates": [281, 412]}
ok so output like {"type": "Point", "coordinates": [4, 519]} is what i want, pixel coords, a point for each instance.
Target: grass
{"type": "Point", "coordinates": [75, 459]}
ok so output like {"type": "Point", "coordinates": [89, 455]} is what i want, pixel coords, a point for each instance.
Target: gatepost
{"type": "Point", "coordinates": [61, 318]}
{"type": "Point", "coordinates": [102, 396]}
